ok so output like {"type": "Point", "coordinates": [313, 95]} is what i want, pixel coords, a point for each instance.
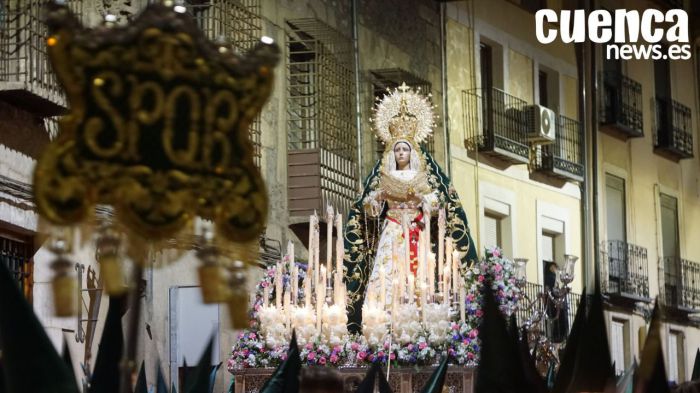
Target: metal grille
{"type": "Point", "coordinates": [321, 105]}
{"type": "Point", "coordinates": [681, 283]}
{"type": "Point", "coordinates": [497, 123]}
{"type": "Point", "coordinates": [626, 266]}
{"type": "Point", "coordinates": [390, 78]}
{"type": "Point", "coordinates": [565, 155]}
{"type": "Point", "coordinates": [674, 132]}
{"type": "Point", "coordinates": [17, 255]}
{"type": "Point", "coordinates": [542, 307]}
{"type": "Point", "coordinates": [622, 103]}
{"type": "Point", "coordinates": [238, 23]}
{"type": "Point", "coordinates": [23, 55]}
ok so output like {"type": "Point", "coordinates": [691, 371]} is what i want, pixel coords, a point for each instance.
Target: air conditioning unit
{"type": "Point", "coordinates": [542, 124]}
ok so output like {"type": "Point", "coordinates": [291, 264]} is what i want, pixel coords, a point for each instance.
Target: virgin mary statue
{"type": "Point", "coordinates": [401, 198]}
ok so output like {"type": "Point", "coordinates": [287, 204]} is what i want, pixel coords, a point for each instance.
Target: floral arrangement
{"type": "Point", "coordinates": [461, 340]}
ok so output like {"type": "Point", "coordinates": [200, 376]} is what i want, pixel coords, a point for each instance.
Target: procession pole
{"type": "Point", "coordinates": [128, 365]}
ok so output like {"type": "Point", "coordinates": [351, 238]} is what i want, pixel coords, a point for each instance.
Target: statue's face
{"type": "Point", "coordinates": [402, 154]}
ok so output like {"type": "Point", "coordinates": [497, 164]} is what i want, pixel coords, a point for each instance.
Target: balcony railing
{"type": "Point", "coordinates": [681, 283]}
{"type": "Point", "coordinates": [627, 269]}
{"type": "Point", "coordinates": [501, 130]}
{"type": "Point", "coordinates": [674, 135]}
{"type": "Point", "coordinates": [563, 158]}
{"type": "Point", "coordinates": [25, 73]}
{"type": "Point", "coordinates": [622, 104]}
{"type": "Point", "coordinates": [555, 322]}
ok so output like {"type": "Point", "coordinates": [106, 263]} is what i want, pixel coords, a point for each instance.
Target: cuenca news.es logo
{"type": "Point", "coordinates": [662, 35]}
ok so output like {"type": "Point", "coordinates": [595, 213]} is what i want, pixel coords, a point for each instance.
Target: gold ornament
{"type": "Point", "coordinates": [403, 114]}
{"type": "Point", "coordinates": [158, 127]}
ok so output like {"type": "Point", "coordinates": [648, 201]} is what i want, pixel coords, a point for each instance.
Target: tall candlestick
{"type": "Point", "coordinates": [278, 285]}
{"type": "Point", "coordinates": [431, 274]}
{"type": "Point", "coordinates": [411, 288]}
{"type": "Point", "coordinates": [382, 294]}
{"type": "Point", "coordinates": [407, 242]}
{"type": "Point", "coordinates": [317, 256]}
{"type": "Point", "coordinates": [456, 278]}
{"type": "Point", "coordinates": [307, 291]}
{"type": "Point", "coordinates": [329, 242]}
{"type": "Point", "coordinates": [339, 248]}
{"type": "Point", "coordinates": [266, 296]}
{"type": "Point", "coordinates": [446, 286]}
{"type": "Point", "coordinates": [441, 244]}
{"type": "Point", "coordinates": [295, 284]}
{"type": "Point", "coordinates": [462, 298]}
{"type": "Point", "coordinates": [290, 255]}
{"type": "Point", "coordinates": [320, 299]}
{"type": "Point", "coordinates": [287, 310]}
{"type": "Point", "coordinates": [448, 263]}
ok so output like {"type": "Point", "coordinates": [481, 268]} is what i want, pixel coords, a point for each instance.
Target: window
{"type": "Point", "coordinates": [16, 254]}
{"type": "Point", "coordinates": [549, 253]}
{"type": "Point", "coordinates": [542, 81]}
{"type": "Point", "coordinates": [548, 88]}
{"type": "Point", "coordinates": [486, 55]}
{"type": "Point", "coordinates": [615, 208]}
{"type": "Point", "coordinates": [492, 230]}
{"type": "Point", "coordinates": [619, 344]}
{"type": "Point", "coordinates": [676, 363]}
{"type": "Point", "coordinates": [669, 226]}
{"type": "Point", "coordinates": [192, 324]}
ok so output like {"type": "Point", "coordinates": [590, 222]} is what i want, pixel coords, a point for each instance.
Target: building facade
{"type": "Point", "coordinates": [509, 134]}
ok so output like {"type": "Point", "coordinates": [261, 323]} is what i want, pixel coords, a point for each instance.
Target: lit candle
{"type": "Point", "coordinates": [329, 242]}
{"type": "Point", "coordinates": [446, 287]}
{"type": "Point", "coordinates": [411, 287]}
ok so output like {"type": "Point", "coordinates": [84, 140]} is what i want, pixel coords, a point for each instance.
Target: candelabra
{"type": "Point", "coordinates": [545, 308]}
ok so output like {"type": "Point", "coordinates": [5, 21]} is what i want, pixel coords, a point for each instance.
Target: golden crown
{"type": "Point", "coordinates": [403, 114]}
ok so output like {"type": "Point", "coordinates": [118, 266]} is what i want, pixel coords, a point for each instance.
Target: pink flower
{"type": "Point", "coordinates": [355, 346]}
{"type": "Point", "coordinates": [470, 356]}
{"type": "Point", "coordinates": [392, 356]}
{"type": "Point", "coordinates": [470, 297]}
{"type": "Point", "coordinates": [455, 326]}
{"type": "Point", "coordinates": [322, 360]}
{"type": "Point", "coordinates": [362, 355]}
{"type": "Point", "coordinates": [337, 348]}
{"type": "Point", "coordinates": [386, 345]}
{"type": "Point", "coordinates": [311, 356]}
{"type": "Point", "coordinates": [334, 358]}
{"type": "Point", "coordinates": [474, 333]}
{"type": "Point", "coordinates": [265, 284]}
{"type": "Point", "coordinates": [479, 313]}
{"type": "Point", "coordinates": [380, 354]}
{"type": "Point", "coordinates": [481, 278]}
{"type": "Point", "coordinates": [410, 347]}
{"type": "Point", "coordinates": [498, 268]}
{"type": "Point", "coordinates": [252, 335]}
{"type": "Point", "coordinates": [496, 252]}
{"type": "Point", "coordinates": [422, 346]}
{"type": "Point", "coordinates": [309, 346]}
